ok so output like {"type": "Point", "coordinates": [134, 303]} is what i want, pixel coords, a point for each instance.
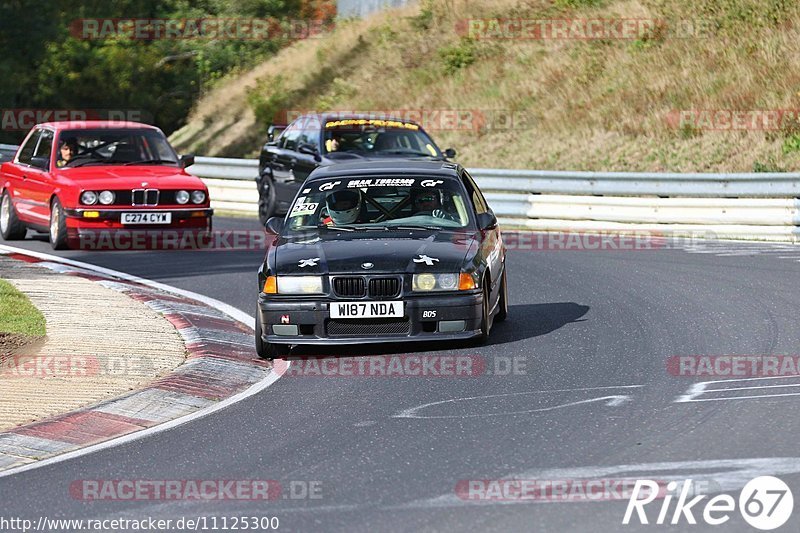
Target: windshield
{"type": "Point", "coordinates": [381, 204]}
{"type": "Point", "coordinates": [123, 146]}
{"type": "Point", "coordinates": [378, 136]}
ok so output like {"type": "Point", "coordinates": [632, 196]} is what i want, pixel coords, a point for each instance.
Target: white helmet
{"type": "Point", "coordinates": [344, 206]}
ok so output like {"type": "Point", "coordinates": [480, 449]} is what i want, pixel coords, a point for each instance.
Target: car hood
{"type": "Point", "coordinates": [389, 252]}
{"type": "Point", "coordinates": [132, 177]}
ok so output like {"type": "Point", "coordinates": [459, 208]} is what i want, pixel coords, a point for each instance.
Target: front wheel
{"type": "Point", "coordinates": [485, 318]}
{"type": "Point", "coordinates": [58, 226]}
{"type": "Point", "coordinates": [266, 199]}
{"type": "Point", "coordinates": [11, 228]}
{"type": "Point", "coordinates": [502, 304]}
{"type": "Point", "coordinates": [268, 350]}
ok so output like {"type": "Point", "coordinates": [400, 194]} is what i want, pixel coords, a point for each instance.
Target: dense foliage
{"type": "Point", "coordinates": [47, 63]}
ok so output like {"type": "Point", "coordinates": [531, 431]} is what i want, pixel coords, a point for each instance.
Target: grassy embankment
{"type": "Point", "coordinates": [20, 322]}
{"type": "Point", "coordinates": [588, 104]}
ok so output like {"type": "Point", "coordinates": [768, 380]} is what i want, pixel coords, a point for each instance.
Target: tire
{"type": "Point", "coordinates": [485, 318]}
{"type": "Point", "coordinates": [58, 226]}
{"type": "Point", "coordinates": [502, 304]}
{"type": "Point", "coordinates": [266, 199]}
{"type": "Point", "coordinates": [268, 350]}
{"type": "Point", "coordinates": [11, 228]}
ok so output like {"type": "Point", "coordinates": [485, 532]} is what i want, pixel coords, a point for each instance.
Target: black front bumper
{"type": "Point", "coordinates": [314, 325]}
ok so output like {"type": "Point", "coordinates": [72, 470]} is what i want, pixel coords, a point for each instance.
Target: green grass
{"type": "Point", "coordinates": [17, 313]}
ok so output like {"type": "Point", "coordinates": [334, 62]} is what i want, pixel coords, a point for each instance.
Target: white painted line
{"type": "Point", "coordinates": [611, 401]}
{"type": "Point", "coordinates": [755, 396]}
{"type": "Point", "coordinates": [241, 316]}
{"type": "Point", "coordinates": [698, 389]}
{"type": "Point", "coordinates": [759, 387]}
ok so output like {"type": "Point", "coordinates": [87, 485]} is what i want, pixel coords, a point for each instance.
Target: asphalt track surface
{"type": "Point", "coordinates": [594, 330]}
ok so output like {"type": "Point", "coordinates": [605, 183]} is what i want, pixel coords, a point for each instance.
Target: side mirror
{"type": "Point", "coordinates": [187, 160]}
{"type": "Point", "coordinates": [274, 225]}
{"type": "Point", "coordinates": [450, 153]}
{"type": "Point", "coordinates": [309, 149]}
{"type": "Point", "coordinates": [42, 163]}
{"type": "Point", "coordinates": [274, 131]}
{"type": "Point", "coordinates": [487, 221]}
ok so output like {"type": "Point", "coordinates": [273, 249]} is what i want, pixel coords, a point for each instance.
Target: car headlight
{"type": "Point", "coordinates": [299, 285]}
{"type": "Point", "coordinates": [182, 197]}
{"type": "Point", "coordinates": [89, 197]}
{"type": "Point", "coordinates": [106, 197]}
{"type": "Point", "coordinates": [435, 282]}
{"type": "Point", "coordinates": [198, 197]}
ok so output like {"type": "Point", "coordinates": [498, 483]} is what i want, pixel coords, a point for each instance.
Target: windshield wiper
{"type": "Point", "coordinates": [343, 227]}
{"type": "Point", "coordinates": [150, 162]}
{"type": "Point", "coordinates": [414, 226]}
{"type": "Point", "coordinates": [405, 152]}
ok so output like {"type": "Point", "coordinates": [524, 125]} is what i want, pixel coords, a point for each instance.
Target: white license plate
{"type": "Point", "coordinates": [367, 309]}
{"type": "Point", "coordinates": [146, 218]}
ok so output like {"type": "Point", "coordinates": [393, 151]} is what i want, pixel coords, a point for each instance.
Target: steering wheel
{"type": "Point", "coordinates": [444, 215]}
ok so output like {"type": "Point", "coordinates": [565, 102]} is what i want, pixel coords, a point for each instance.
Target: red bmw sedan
{"type": "Point", "coordinates": [78, 180]}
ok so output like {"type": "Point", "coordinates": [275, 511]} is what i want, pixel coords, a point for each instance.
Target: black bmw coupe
{"type": "Point", "coordinates": [389, 251]}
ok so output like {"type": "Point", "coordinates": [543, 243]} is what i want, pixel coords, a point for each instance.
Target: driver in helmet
{"type": "Point", "coordinates": [427, 202]}
{"type": "Point", "coordinates": [344, 207]}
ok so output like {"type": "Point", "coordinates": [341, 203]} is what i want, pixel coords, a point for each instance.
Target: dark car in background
{"type": "Point", "coordinates": [389, 251]}
{"type": "Point", "coordinates": [316, 140]}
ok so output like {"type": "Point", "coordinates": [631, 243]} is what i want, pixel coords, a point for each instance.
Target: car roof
{"type": "Point", "coordinates": [390, 167]}
{"type": "Point", "coordinates": [95, 124]}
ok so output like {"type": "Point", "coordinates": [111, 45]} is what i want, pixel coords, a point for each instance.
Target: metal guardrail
{"type": "Point", "coordinates": [7, 152]}
{"type": "Point", "coordinates": [363, 8]}
{"type": "Point", "coordinates": [753, 206]}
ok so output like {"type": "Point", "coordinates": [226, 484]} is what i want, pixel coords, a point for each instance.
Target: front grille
{"type": "Point", "coordinates": [384, 287]}
{"type": "Point", "coordinates": [374, 326]}
{"type": "Point", "coordinates": [168, 198]}
{"type": "Point", "coordinates": [349, 286]}
{"type": "Point", "coordinates": [145, 197]}
{"type": "Point", "coordinates": [124, 197]}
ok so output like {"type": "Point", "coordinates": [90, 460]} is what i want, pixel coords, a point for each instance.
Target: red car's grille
{"type": "Point", "coordinates": [147, 197]}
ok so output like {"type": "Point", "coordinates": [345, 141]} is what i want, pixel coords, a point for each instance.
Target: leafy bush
{"type": "Point", "coordinates": [458, 56]}
{"type": "Point", "coordinates": [770, 165]}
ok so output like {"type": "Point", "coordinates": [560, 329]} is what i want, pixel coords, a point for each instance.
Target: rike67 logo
{"type": "Point", "coordinates": [765, 503]}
